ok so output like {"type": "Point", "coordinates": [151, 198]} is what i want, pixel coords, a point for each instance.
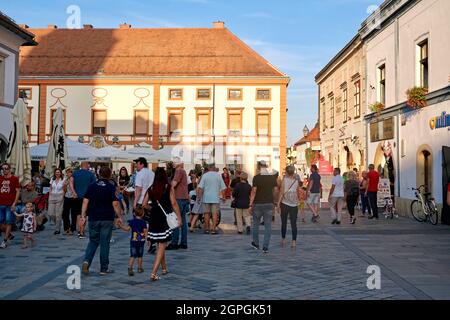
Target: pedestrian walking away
{"type": "Point", "coordinates": [364, 199]}
{"type": "Point", "coordinates": [82, 179]}
{"type": "Point", "coordinates": [288, 204]}
{"type": "Point", "coordinates": [351, 194]}
{"type": "Point", "coordinates": [262, 203]}
{"type": "Point", "coordinates": [139, 232]}
{"type": "Point", "coordinates": [336, 197]}
{"type": "Point", "coordinates": [101, 206]}
{"type": "Point", "coordinates": [163, 201]}
{"type": "Point", "coordinates": [241, 195]}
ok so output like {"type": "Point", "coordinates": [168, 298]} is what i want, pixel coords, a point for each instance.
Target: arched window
{"type": "Point", "coordinates": [425, 167]}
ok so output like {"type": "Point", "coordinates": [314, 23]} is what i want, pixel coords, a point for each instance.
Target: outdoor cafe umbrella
{"type": "Point", "coordinates": [76, 151]}
{"type": "Point", "coordinates": [57, 156]}
{"type": "Point", "coordinates": [18, 151]}
{"type": "Point", "coordinates": [142, 150]}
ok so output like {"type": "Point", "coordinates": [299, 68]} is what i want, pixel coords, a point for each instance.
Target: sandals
{"type": "Point", "coordinates": [164, 272]}
{"type": "Point", "coordinates": [140, 270]}
{"type": "Point", "coordinates": [206, 232]}
{"type": "Point", "coordinates": [155, 277]}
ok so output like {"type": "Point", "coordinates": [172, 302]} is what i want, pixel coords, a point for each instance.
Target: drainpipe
{"type": "Point", "coordinates": [397, 88]}
{"type": "Point", "coordinates": [213, 117]}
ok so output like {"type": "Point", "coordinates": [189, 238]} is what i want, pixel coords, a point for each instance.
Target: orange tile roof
{"type": "Point", "coordinates": [313, 135]}
{"type": "Point", "coordinates": [142, 52]}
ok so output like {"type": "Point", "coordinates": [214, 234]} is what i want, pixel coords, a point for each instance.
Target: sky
{"type": "Point", "coordinates": [299, 37]}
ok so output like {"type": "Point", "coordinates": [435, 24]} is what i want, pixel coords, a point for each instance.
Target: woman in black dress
{"type": "Point", "coordinates": [158, 231]}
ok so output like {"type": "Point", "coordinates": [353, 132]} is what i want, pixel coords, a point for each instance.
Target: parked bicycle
{"type": "Point", "coordinates": [424, 207]}
{"type": "Point", "coordinates": [389, 209]}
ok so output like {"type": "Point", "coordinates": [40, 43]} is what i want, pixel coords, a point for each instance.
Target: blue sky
{"type": "Point", "coordinates": [297, 36]}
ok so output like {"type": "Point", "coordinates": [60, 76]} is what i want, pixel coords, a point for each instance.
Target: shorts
{"type": "Point", "coordinates": [77, 205]}
{"type": "Point", "coordinates": [314, 198]}
{"type": "Point", "coordinates": [6, 215]}
{"type": "Point", "coordinates": [211, 208]}
{"type": "Point", "coordinates": [301, 205]}
{"type": "Point", "coordinates": [137, 249]}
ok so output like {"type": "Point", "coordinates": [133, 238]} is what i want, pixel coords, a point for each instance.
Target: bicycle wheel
{"type": "Point", "coordinates": [417, 211]}
{"type": "Point", "coordinates": [433, 212]}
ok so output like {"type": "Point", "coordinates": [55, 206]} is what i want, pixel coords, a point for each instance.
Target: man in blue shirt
{"type": "Point", "coordinates": [81, 179]}
{"type": "Point", "coordinates": [101, 205]}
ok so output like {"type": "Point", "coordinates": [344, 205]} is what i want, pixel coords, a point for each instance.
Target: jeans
{"type": "Point", "coordinates": [365, 203]}
{"type": "Point", "coordinates": [373, 206]}
{"type": "Point", "coordinates": [184, 209]}
{"type": "Point", "coordinates": [351, 203]}
{"type": "Point", "coordinates": [260, 211]}
{"type": "Point", "coordinates": [292, 213]}
{"type": "Point", "coordinates": [7, 216]}
{"type": "Point", "coordinates": [99, 234]}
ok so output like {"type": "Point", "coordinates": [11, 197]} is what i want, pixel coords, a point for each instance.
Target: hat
{"type": "Point", "coordinates": [141, 160]}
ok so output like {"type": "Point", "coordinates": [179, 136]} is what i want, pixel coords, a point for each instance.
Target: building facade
{"type": "Point", "coordinates": [12, 37]}
{"type": "Point", "coordinates": [409, 48]}
{"type": "Point", "coordinates": [202, 94]}
{"type": "Point", "coordinates": [341, 85]}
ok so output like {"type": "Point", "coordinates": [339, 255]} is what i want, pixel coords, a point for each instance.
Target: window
{"type": "Point", "coordinates": [332, 113]}
{"type": "Point", "coordinates": [52, 113]}
{"type": "Point", "coordinates": [423, 63]}
{"type": "Point", "coordinates": [140, 122]}
{"type": "Point", "coordinates": [234, 122]}
{"type": "Point", "coordinates": [175, 123]}
{"type": "Point", "coordinates": [175, 94]}
{"type": "Point", "coordinates": [262, 94]}
{"type": "Point", "coordinates": [345, 105]}
{"type": "Point", "coordinates": [324, 116]}
{"type": "Point", "coordinates": [262, 123]}
{"type": "Point", "coordinates": [234, 94]}
{"type": "Point", "coordinates": [357, 107]}
{"type": "Point", "coordinates": [382, 130]}
{"type": "Point", "coordinates": [203, 94]}
{"type": "Point", "coordinates": [99, 122]}
{"type": "Point", "coordinates": [25, 92]}
{"type": "Point", "coordinates": [2, 78]}
{"type": "Point", "coordinates": [203, 122]}
{"type": "Point", "coordinates": [382, 84]}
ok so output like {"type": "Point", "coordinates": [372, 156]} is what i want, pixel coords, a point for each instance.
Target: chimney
{"type": "Point", "coordinates": [88, 26]}
{"type": "Point", "coordinates": [23, 26]}
{"type": "Point", "coordinates": [218, 25]}
{"type": "Point", "coordinates": [124, 26]}
{"type": "Point", "coordinates": [52, 26]}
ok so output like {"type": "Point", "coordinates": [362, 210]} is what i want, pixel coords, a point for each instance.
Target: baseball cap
{"type": "Point", "coordinates": [141, 160]}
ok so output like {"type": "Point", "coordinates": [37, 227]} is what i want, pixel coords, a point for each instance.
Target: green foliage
{"type": "Point", "coordinates": [417, 97]}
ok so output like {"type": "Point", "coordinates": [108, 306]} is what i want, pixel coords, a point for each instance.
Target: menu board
{"type": "Point", "coordinates": [384, 191]}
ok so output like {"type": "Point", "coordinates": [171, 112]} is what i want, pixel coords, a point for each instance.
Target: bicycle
{"type": "Point", "coordinates": [389, 209]}
{"type": "Point", "coordinates": [424, 207]}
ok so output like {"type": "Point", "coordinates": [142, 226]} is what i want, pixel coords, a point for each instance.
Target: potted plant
{"type": "Point", "coordinates": [417, 97]}
{"type": "Point", "coordinates": [376, 107]}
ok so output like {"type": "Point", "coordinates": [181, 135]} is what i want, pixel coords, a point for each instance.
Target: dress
{"type": "Point", "coordinates": [226, 180]}
{"type": "Point", "coordinates": [158, 229]}
{"type": "Point", "coordinates": [28, 219]}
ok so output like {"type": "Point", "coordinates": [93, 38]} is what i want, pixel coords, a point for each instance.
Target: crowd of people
{"type": "Point", "coordinates": [77, 196]}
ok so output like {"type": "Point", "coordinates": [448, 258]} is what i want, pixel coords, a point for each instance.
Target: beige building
{"type": "Point", "coordinates": [201, 94]}
{"type": "Point", "coordinates": [342, 108]}
{"type": "Point", "coordinates": [12, 37]}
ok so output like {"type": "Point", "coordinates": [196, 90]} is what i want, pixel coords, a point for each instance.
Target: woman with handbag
{"type": "Point", "coordinates": [289, 200]}
{"type": "Point", "coordinates": [163, 203]}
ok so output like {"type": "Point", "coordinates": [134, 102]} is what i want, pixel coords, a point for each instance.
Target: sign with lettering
{"type": "Point", "coordinates": [442, 121]}
{"type": "Point", "coordinates": [384, 191]}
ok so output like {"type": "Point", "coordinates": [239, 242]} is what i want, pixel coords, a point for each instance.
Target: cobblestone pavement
{"type": "Point", "coordinates": [330, 262]}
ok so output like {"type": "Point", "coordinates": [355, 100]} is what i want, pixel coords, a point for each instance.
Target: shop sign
{"type": "Point", "coordinates": [442, 121]}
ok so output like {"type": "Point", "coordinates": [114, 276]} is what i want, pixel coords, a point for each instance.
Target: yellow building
{"type": "Point", "coordinates": [201, 93]}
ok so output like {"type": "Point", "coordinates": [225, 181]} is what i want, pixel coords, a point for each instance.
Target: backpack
{"type": "Point", "coordinates": [354, 190]}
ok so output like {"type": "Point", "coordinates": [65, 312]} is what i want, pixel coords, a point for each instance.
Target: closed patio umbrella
{"type": "Point", "coordinates": [57, 156]}
{"type": "Point", "coordinates": [18, 151]}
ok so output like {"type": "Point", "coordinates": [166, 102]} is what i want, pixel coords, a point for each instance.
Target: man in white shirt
{"type": "Point", "coordinates": [144, 180]}
{"type": "Point", "coordinates": [336, 197]}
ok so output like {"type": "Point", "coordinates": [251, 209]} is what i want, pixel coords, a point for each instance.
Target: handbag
{"type": "Point", "coordinates": [172, 219]}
